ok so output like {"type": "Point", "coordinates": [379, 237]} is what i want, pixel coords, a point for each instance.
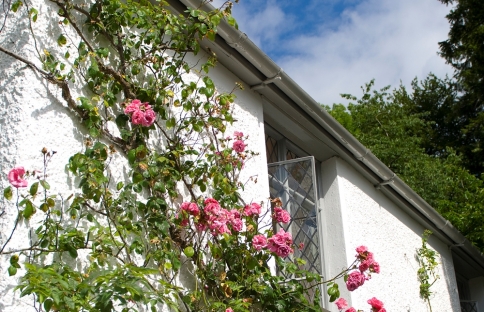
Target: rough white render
{"type": "Point", "coordinates": [370, 218]}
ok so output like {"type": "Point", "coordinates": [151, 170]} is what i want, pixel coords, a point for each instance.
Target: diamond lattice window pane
{"type": "Point", "coordinates": [293, 181]}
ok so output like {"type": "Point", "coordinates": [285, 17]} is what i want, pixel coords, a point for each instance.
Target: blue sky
{"type": "Point", "coordinates": [331, 47]}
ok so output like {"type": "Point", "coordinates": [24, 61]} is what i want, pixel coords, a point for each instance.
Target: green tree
{"type": "Point", "coordinates": [464, 50]}
{"type": "Point", "coordinates": [387, 123]}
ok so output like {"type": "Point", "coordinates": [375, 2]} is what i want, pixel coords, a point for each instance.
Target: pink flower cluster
{"type": "Point", "coordinates": [281, 243]}
{"type": "Point", "coordinates": [376, 305]}
{"type": "Point", "coordinates": [367, 263]}
{"type": "Point", "coordinates": [253, 209]}
{"type": "Point", "coordinates": [342, 304]}
{"type": "Point", "coordinates": [16, 177]}
{"type": "Point", "coordinates": [141, 113]}
{"type": "Point", "coordinates": [219, 220]}
{"type": "Point", "coordinates": [281, 215]}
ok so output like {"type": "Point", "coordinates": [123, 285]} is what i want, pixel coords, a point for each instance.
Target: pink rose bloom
{"type": "Point", "coordinates": [132, 107]}
{"type": "Point", "coordinates": [16, 177]}
{"type": "Point", "coordinates": [300, 246]}
{"type": "Point", "coordinates": [341, 303]}
{"type": "Point", "coordinates": [281, 215]}
{"type": "Point", "coordinates": [229, 310]}
{"type": "Point", "coordinates": [282, 251]}
{"type": "Point", "coordinates": [252, 209]}
{"type": "Point", "coordinates": [351, 310]}
{"type": "Point", "coordinates": [376, 305]}
{"type": "Point", "coordinates": [361, 250]}
{"type": "Point", "coordinates": [375, 267]}
{"type": "Point", "coordinates": [138, 117]}
{"type": "Point", "coordinates": [355, 280]}
{"type": "Point", "coordinates": [212, 206]}
{"type": "Point", "coordinates": [239, 146]}
{"type": "Point", "coordinates": [190, 208]}
{"type": "Point", "coordinates": [149, 118]}
{"type": "Point", "coordinates": [234, 214]}
{"type": "Point", "coordinates": [280, 243]}
{"type": "Point", "coordinates": [238, 135]}
{"type": "Point", "coordinates": [237, 224]}
{"type": "Point", "coordinates": [259, 241]}
{"type": "Point", "coordinates": [184, 222]}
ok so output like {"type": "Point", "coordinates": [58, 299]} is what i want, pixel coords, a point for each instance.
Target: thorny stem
{"type": "Point", "coordinates": [14, 227]}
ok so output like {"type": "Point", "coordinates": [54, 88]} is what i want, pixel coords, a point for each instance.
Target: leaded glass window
{"type": "Point", "coordinates": [293, 180]}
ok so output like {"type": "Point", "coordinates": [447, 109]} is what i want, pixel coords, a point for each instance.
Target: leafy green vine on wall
{"type": "Point", "coordinates": [138, 234]}
{"type": "Point", "coordinates": [426, 273]}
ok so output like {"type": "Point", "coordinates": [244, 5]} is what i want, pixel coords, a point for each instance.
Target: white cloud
{"type": "Point", "coordinates": [388, 40]}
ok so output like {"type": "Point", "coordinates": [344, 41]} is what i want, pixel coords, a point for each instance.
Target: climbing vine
{"type": "Point", "coordinates": [426, 273]}
{"type": "Point", "coordinates": [180, 207]}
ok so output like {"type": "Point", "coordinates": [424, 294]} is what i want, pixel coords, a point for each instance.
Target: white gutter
{"type": "Point", "coordinates": [242, 44]}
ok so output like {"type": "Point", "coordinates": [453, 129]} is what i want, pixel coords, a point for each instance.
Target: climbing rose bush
{"type": "Point", "coordinates": [16, 177]}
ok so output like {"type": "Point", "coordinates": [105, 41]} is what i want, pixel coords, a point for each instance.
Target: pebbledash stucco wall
{"type": "Point", "coordinates": [33, 115]}
{"type": "Point", "coordinates": [370, 218]}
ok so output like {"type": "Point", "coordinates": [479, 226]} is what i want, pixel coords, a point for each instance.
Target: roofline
{"type": "Point", "coordinates": [253, 54]}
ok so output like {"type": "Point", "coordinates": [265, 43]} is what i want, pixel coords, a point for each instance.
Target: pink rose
{"type": "Point", "coordinates": [375, 267]}
{"type": "Point", "coordinates": [351, 310]}
{"type": "Point", "coordinates": [280, 215]}
{"type": "Point", "coordinates": [280, 244]}
{"type": "Point", "coordinates": [138, 117]}
{"type": "Point", "coordinates": [212, 206]}
{"type": "Point", "coordinates": [239, 146]}
{"type": "Point", "coordinates": [376, 305]}
{"type": "Point", "coordinates": [236, 225]}
{"type": "Point", "coordinates": [355, 280]}
{"type": "Point", "coordinates": [259, 241]}
{"type": "Point", "coordinates": [238, 135]}
{"type": "Point", "coordinates": [190, 208]}
{"type": "Point", "coordinates": [132, 107]}
{"type": "Point", "coordinates": [16, 177]}
{"type": "Point", "coordinates": [361, 249]}
{"type": "Point", "coordinates": [149, 118]}
{"type": "Point", "coordinates": [283, 251]}
{"type": "Point", "coordinates": [252, 209]}
{"type": "Point", "coordinates": [341, 303]}
{"type": "Point", "coordinates": [229, 310]}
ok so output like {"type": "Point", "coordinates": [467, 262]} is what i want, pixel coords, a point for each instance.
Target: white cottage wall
{"type": "Point", "coordinates": [33, 115]}
{"type": "Point", "coordinates": [370, 218]}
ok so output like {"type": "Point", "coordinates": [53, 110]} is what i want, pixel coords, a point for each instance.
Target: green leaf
{"type": "Point", "coordinates": [62, 40]}
{"type": "Point", "coordinates": [48, 304]}
{"type": "Point", "coordinates": [50, 202]}
{"type": "Point", "coordinates": [119, 185]}
{"type": "Point", "coordinates": [7, 193]}
{"type": "Point", "coordinates": [12, 270]}
{"type": "Point", "coordinates": [44, 207]}
{"type": "Point", "coordinates": [189, 251]}
{"type": "Point", "coordinates": [137, 177]}
{"type": "Point", "coordinates": [34, 188]}
{"type": "Point", "coordinates": [33, 14]}
{"type": "Point", "coordinates": [29, 209]}
{"type": "Point", "coordinates": [44, 184]}
{"type": "Point", "coordinates": [16, 5]}
{"type": "Point", "coordinates": [94, 132]}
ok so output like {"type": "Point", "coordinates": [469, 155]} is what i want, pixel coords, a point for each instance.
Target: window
{"type": "Point", "coordinates": [292, 178]}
